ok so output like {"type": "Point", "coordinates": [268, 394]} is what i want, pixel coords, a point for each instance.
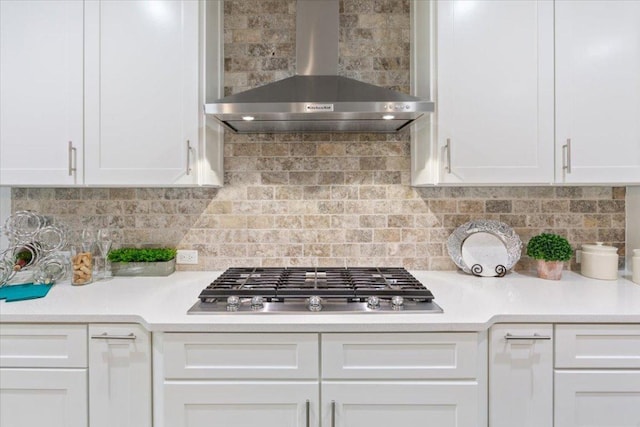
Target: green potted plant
{"type": "Point", "coordinates": [142, 261]}
{"type": "Point", "coordinates": [551, 251]}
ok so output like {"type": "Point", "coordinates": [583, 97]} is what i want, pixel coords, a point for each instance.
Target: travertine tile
{"type": "Point", "coordinates": [498, 206]}
{"type": "Point", "coordinates": [471, 206]}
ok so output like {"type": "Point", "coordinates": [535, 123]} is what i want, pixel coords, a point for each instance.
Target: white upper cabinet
{"type": "Point", "coordinates": [41, 94]}
{"type": "Point", "coordinates": [598, 91]}
{"type": "Point", "coordinates": [141, 92]}
{"type": "Point", "coordinates": [529, 92]}
{"type": "Point", "coordinates": [108, 93]}
{"type": "Point", "coordinates": [495, 92]}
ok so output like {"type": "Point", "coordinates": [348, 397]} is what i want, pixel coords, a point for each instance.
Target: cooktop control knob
{"type": "Point", "coordinates": [257, 303]}
{"type": "Point", "coordinates": [397, 302]}
{"type": "Point", "coordinates": [373, 302]}
{"type": "Point", "coordinates": [233, 303]}
{"type": "Point", "coordinates": [315, 303]}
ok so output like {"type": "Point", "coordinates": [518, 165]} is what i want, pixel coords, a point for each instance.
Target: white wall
{"type": "Point", "coordinates": [5, 211]}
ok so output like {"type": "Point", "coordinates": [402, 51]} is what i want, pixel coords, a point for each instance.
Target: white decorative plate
{"type": "Point", "coordinates": [485, 248]}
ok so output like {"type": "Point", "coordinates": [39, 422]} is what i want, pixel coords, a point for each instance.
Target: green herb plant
{"type": "Point", "coordinates": [549, 247]}
{"type": "Point", "coordinates": [142, 254]}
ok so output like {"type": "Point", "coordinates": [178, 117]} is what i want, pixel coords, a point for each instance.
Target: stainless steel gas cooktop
{"type": "Point", "coordinates": [315, 289]}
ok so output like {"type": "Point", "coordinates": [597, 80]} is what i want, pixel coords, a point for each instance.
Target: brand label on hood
{"type": "Point", "coordinates": [314, 108]}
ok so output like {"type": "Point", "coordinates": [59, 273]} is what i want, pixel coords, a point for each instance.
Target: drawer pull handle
{"type": "Point", "coordinates": [510, 337]}
{"type": "Point", "coordinates": [105, 336]}
{"type": "Point", "coordinates": [333, 413]}
{"type": "Point", "coordinates": [307, 414]}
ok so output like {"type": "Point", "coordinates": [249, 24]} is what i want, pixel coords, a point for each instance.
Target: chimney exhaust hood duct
{"type": "Point", "coordinates": [317, 99]}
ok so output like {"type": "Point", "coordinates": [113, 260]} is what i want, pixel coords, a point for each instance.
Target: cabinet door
{"type": "Point", "coordinates": [597, 398]}
{"type": "Point", "coordinates": [119, 376]}
{"type": "Point", "coordinates": [406, 404]}
{"type": "Point", "coordinates": [43, 397]}
{"type": "Point", "coordinates": [240, 404]}
{"type": "Point", "coordinates": [495, 91]}
{"type": "Point", "coordinates": [521, 376]}
{"type": "Point", "coordinates": [141, 92]}
{"type": "Point", "coordinates": [41, 51]}
{"type": "Point", "coordinates": [598, 91]}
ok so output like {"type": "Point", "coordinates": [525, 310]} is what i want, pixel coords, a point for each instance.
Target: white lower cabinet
{"type": "Point", "coordinates": [521, 375]}
{"type": "Point", "coordinates": [597, 376]}
{"type": "Point", "coordinates": [43, 397]}
{"type": "Point", "coordinates": [119, 376]}
{"type": "Point", "coordinates": [240, 403]}
{"type": "Point", "coordinates": [43, 375]}
{"type": "Point", "coordinates": [329, 380]}
{"type": "Point", "coordinates": [236, 380]}
{"type": "Point", "coordinates": [597, 398]}
{"type": "Point", "coordinates": [382, 379]}
{"type": "Point", "coordinates": [400, 403]}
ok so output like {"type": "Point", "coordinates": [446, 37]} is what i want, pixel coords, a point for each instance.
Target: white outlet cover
{"type": "Point", "coordinates": [185, 256]}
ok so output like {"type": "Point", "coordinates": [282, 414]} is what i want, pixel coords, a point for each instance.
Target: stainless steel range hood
{"type": "Point", "coordinates": [317, 99]}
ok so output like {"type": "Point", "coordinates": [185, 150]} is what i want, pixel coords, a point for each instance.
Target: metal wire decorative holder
{"type": "Point", "coordinates": [34, 249]}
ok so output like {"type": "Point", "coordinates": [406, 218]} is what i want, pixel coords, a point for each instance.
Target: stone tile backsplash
{"type": "Point", "coordinates": [324, 199]}
{"type": "Point", "coordinates": [329, 223]}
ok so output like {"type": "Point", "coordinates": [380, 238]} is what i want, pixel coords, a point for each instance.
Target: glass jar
{"type": "Point", "coordinates": [51, 269]}
{"type": "Point", "coordinates": [81, 265]}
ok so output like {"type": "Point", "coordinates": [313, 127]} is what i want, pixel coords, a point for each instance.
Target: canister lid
{"type": "Point", "coordinates": [600, 248]}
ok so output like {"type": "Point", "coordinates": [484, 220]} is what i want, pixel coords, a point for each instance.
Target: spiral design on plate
{"type": "Point", "coordinates": [476, 269]}
{"type": "Point", "coordinates": [501, 270]}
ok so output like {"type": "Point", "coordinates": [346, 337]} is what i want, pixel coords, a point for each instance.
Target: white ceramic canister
{"type": "Point", "coordinates": [635, 265]}
{"type": "Point", "coordinates": [599, 261]}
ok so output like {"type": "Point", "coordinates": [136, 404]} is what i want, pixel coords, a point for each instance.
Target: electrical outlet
{"type": "Point", "coordinates": [185, 256]}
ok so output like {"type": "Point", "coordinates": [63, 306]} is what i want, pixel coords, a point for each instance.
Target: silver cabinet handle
{"type": "Point", "coordinates": [567, 156]}
{"type": "Point", "coordinates": [510, 337]}
{"type": "Point", "coordinates": [333, 413]}
{"type": "Point", "coordinates": [105, 336]}
{"type": "Point", "coordinates": [72, 159]}
{"type": "Point", "coordinates": [189, 150]}
{"type": "Point", "coordinates": [447, 148]}
{"type": "Point", "coordinates": [307, 414]}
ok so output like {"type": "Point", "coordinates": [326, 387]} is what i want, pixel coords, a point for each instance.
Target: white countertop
{"type": "Point", "coordinates": [470, 304]}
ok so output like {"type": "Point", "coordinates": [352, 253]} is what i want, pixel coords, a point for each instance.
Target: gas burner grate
{"type": "Point", "coordinates": [351, 283]}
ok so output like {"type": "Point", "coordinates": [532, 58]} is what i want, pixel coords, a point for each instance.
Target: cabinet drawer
{"type": "Point", "coordinates": [400, 356]}
{"type": "Point", "coordinates": [43, 346]}
{"type": "Point", "coordinates": [597, 346]}
{"type": "Point", "coordinates": [240, 356]}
